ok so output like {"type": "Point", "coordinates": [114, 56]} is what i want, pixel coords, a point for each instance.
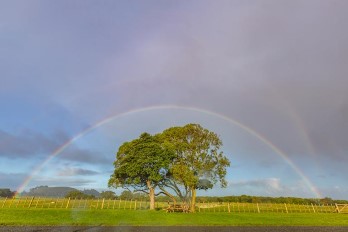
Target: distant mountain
{"type": "Point", "coordinates": [45, 191]}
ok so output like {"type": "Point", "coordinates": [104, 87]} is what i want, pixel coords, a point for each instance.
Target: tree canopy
{"type": "Point", "coordinates": [179, 160]}
{"type": "Point", "coordinates": [198, 164]}
{"type": "Point", "coordinates": [140, 165]}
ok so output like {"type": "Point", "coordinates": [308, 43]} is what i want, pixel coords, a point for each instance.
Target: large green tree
{"type": "Point", "coordinates": [198, 163]}
{"type": "Point", "coordinates": [140, 165]}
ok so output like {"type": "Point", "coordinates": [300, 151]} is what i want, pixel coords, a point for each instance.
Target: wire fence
{"type": "Point", "coordinates": [201, 207]}
{"type": "Point", "coordinates": [237, 207]}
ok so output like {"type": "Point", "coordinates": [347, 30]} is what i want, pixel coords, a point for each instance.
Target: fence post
{"type": "Point", "coordinates": [102, 206]}
{"type": "Point", "coordinates": [31, 201]}
{"type": "Point", "coordinates": [67, 204]}
{"type": "Point", "coordinates": [119, 204]}
{"type": "Point", "coordinates": [135, 205]}
{"type": "Point", "coordinates": [286, 208]}
{"type": "Point", "coordinates": [313, 207]}
{"type": "Point", "coordinates": [228, 207]}
{"type": "Point", "coordinates": [258, 208]}
{"type": "Point", "coordinates": [4, 203]}
{"type": "Point", "coordinates": [337, 209]}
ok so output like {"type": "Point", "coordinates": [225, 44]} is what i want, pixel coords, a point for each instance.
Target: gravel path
{"type": "Point", "coordinates": [174, 228]}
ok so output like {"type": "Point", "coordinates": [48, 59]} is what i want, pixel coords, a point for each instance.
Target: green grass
{"type": "Point", "coordinates": [20, 216]}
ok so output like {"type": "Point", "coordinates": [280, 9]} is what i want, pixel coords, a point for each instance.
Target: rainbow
{"type": "Point", "coordinates": [252, 132]}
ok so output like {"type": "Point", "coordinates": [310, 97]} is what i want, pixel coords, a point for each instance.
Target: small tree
{"type": "Point", "coordinates": [126, 194]}
{"type": "Point", "coordinates": [108, 195]}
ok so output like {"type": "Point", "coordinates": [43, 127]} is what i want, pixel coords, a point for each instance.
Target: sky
{"type": "Point", "coordinates": [79, 78]}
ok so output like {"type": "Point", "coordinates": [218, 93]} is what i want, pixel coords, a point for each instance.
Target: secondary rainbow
{"type": "Point", "coordinates": [252, 132]}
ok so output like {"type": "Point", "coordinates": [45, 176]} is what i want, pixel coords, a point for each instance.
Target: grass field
{"type": "Point", "coordinates": [108, 217]}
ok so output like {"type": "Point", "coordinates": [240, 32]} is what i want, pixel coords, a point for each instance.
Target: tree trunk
{"type": "Point", "coordinates": [152, 198]}
{"type": "Point", "coordinates": [193, 200]}
{"type": "Point", "coordinates": [151, 195]}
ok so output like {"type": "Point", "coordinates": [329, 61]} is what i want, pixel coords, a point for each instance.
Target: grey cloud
{"type": "Point", "coordinates": [270, 185]}
{"type": "Point", "coordinates": [278, 69]}
{"type": "Point", "coordinates": [14, 180]}
{"type": "Point", "coordinates": [300, 77]}
{"type": "Point", "coordinates": [27, 144]}
{"type": "Point", "coordinates": [34, 144]}
{"type": "Point", "coordinates": [72, 171]}
{"type": "Point", "coordinates": [74, 153]}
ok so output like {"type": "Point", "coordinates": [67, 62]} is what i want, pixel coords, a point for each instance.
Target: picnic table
{"type": "Point", "coordinates": [177, 208]}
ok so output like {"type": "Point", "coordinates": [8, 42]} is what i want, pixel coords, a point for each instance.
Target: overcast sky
{"type": "Point", "coordinates": [270, 77]}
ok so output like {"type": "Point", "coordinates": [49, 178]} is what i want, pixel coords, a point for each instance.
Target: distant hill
{"type": "Point", "coordinates": [45, 191]}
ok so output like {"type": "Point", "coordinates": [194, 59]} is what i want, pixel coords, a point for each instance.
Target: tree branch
{"type": "Point", "coordinates": [168, 194]}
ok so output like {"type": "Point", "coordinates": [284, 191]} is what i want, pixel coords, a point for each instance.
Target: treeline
{"type": "Point", "coordinates": [45, 191]}
{"type": "Point", "coordinates": [110, 195]}
{"type": "Point", "coordinates": [258, 199]}
{"type": "Point", "coordinates": [5, 192]}
{"type": "Point", "coordinates": [275, 200]}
